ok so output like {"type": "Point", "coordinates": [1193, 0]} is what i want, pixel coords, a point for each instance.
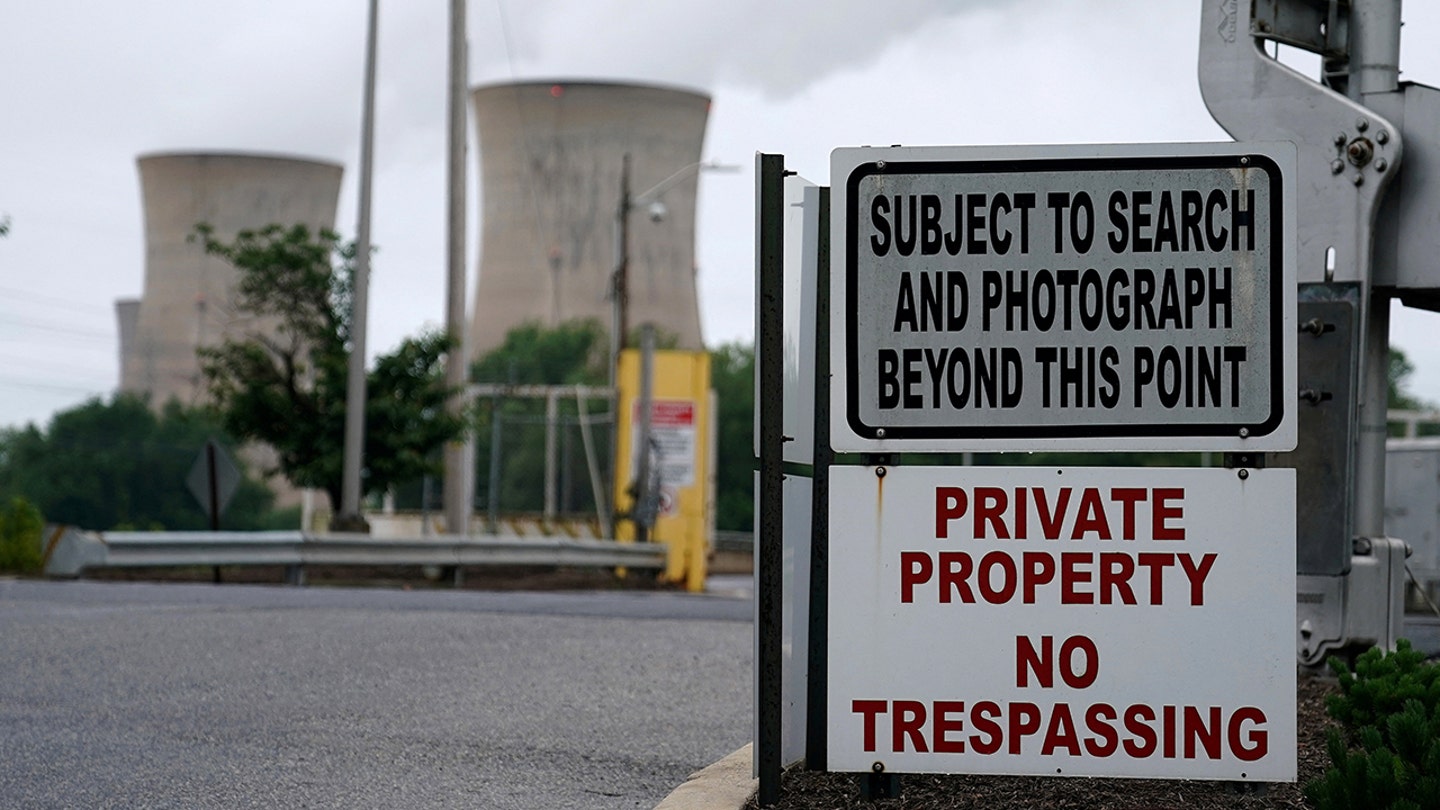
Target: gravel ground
{"type": "Point", "coordinates": [801, 790]}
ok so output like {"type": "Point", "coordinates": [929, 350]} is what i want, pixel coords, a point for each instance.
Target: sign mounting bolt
{"type": "Point", "coordinates": [1244, 433]}
{"type": "Point", "coordinates": [1341, 138]}
{"type": "Point", "coordinates": [1337, 166]}
{"type": "Point", "coordinates": [880, 472]}
{"type": "Point", "coordinates": [1383, 136]}
{"type": "Point", "coordinates": [1243, 474]}
{"type": "Point", "coordinates": [879, 433]}
{"type": "Point", "coordinates": [1381, 165]}
{"type": "Point", "coordinates": [880, 165]}
{"type": "Point", "coordinates": [1362, 123]}
{"type": "Point", "coordinates": [1360, 151]}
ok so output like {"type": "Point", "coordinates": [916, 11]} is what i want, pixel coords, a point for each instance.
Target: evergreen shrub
{"type": "Point", "coordinates": [1386, 753]}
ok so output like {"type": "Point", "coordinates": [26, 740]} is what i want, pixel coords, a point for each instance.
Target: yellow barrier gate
{"type": "Point", "coordinates": [679, 488]}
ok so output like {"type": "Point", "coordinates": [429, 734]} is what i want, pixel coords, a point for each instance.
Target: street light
{"type": "Point", "coordinates": [620, 295]}
{"type": "Point", "coordinates": [620, 278]}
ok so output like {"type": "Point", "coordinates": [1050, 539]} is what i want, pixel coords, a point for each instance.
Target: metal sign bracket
{"type": "Point", "coordinates": [1346, 153]}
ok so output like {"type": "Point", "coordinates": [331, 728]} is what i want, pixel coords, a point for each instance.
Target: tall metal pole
{"type": "Point", "coordinates": [1374, 47]}
{"type": "Point", "coordinates": [1374, 69]}
{"type": "Point", "coordinates": [354, 450]}
{"type": "Point", "coordinates": [620, 283]}
{"type": "Point", "coordinates": [459, 454]}
{"type": "Point", "coordinates": [770, 549]}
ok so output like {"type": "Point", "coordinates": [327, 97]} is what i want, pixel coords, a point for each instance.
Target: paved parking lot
{"type": "Point", "coordinates": [199, 696]}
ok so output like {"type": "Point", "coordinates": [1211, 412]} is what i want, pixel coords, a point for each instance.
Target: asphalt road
{"type": "Point", "coordinates": [198, 696]}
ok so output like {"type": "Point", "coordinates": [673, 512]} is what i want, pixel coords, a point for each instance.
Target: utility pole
{"type": "Point", "coordinates": [349, 517]}
{"type": "Point", "coordinates": [620, 281]}
{"type": "Point", "coordinates": [459, 472]}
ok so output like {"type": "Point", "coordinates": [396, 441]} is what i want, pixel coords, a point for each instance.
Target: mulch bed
{"type": "Point", "coordinates": [804, 790]}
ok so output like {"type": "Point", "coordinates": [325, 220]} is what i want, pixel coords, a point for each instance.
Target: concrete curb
{"type": "Point", "coordinates": [725, 785]}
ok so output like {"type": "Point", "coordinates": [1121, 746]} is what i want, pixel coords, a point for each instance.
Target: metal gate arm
{"type": "Point", "coordinates": [1346, 153]}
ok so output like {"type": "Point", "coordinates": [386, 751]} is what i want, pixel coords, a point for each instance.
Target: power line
{"type": "Point", "coordinates": [11, 382]}
{"type": "Point", "coordinates": [27, 323]}
{"type": "Point", "coordinates": [34, 363]}
{"type": "Point", "coordinates": [50, 300]}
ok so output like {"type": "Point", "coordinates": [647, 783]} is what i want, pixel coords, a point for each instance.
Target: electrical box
{"type": "Point", "coordinates": [1323, 457]}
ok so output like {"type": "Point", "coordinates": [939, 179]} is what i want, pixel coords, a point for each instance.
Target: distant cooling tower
{"type": "Point", "coordinates": [187, 297]}
{"type": "Point", "coordinates": [550, 166]}
{"type": "Point", "coordinates": [127, 316]}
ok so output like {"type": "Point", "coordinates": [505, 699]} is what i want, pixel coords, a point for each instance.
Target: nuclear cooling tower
{"type": "Point", "coordinates": [551, 157]}
{"type": "Point", "coordinates": [127, 316]}
{"type": "Point", "coordinates": [186, 301]}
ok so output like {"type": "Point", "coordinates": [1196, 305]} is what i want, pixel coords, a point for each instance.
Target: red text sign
{"type": "Point", "coordinates": [1079, 621]}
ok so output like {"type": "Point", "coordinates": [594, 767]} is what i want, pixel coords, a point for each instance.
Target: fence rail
{"type": "Point", "coordinates": [1412, 420]}
{"type": "Point", "coordinates": [71, 552]}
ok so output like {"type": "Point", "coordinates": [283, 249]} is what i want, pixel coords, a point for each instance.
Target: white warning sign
{"type": "Point", "coordinates": [672, 443]}
{"type": "Point", "coordinates": [1132, 622]}
{"type": "Point", "coordinates": [1103, 298]}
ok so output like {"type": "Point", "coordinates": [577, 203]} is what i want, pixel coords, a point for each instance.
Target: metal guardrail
{"type": "Point", "coordinates": [726, 540]}
{"type": "Point", "coordinates": [71, 552]}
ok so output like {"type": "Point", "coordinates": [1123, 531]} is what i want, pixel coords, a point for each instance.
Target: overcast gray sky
{"type": "Point", "coordinates": [89, 85]}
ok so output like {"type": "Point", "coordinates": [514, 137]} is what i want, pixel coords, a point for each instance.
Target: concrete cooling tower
{"type": "Point", "coordinates": [186, 301]}
{"type": "Point", "coordinates": [551, 156]}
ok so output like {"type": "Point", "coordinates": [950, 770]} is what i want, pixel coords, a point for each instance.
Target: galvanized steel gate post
{"type": "Point", "coordinates": [817, 664]}
{"type": "Point", "coordinates": [770, 238]}
{"type": "Point", "coordinates": [1362, 239]}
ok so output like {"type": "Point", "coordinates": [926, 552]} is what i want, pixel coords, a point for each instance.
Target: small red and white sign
{"type": "Point", "coordinates": [1130, 622]}
{"type": "Point", "coordinates": [672, 441]}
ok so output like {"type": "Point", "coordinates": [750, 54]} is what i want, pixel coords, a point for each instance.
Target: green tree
{"type": "Point", "coordinates": [573, 353]}
{"type": "Point", "coordinates": [21, 530]}
{"type": "Point", "coordinates": [732, 375]}
{"type": "Point", "coordinates": [1398, 377]}
{"type": "Point", "coordinates": [1399, 398]}
{"type": "Point", "coordinates": [285, 385]}
{"type": "Point", "coordinates": [107, 465]}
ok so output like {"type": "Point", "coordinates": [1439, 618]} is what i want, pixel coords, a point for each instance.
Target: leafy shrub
{"type": "Point", "coordinates": [1386, 755]}
{"type": "Point", "coordinates": [21, 529]}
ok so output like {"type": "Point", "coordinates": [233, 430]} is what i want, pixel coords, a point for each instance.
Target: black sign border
{"type": "Point", "coordinates": [1247, 161]}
